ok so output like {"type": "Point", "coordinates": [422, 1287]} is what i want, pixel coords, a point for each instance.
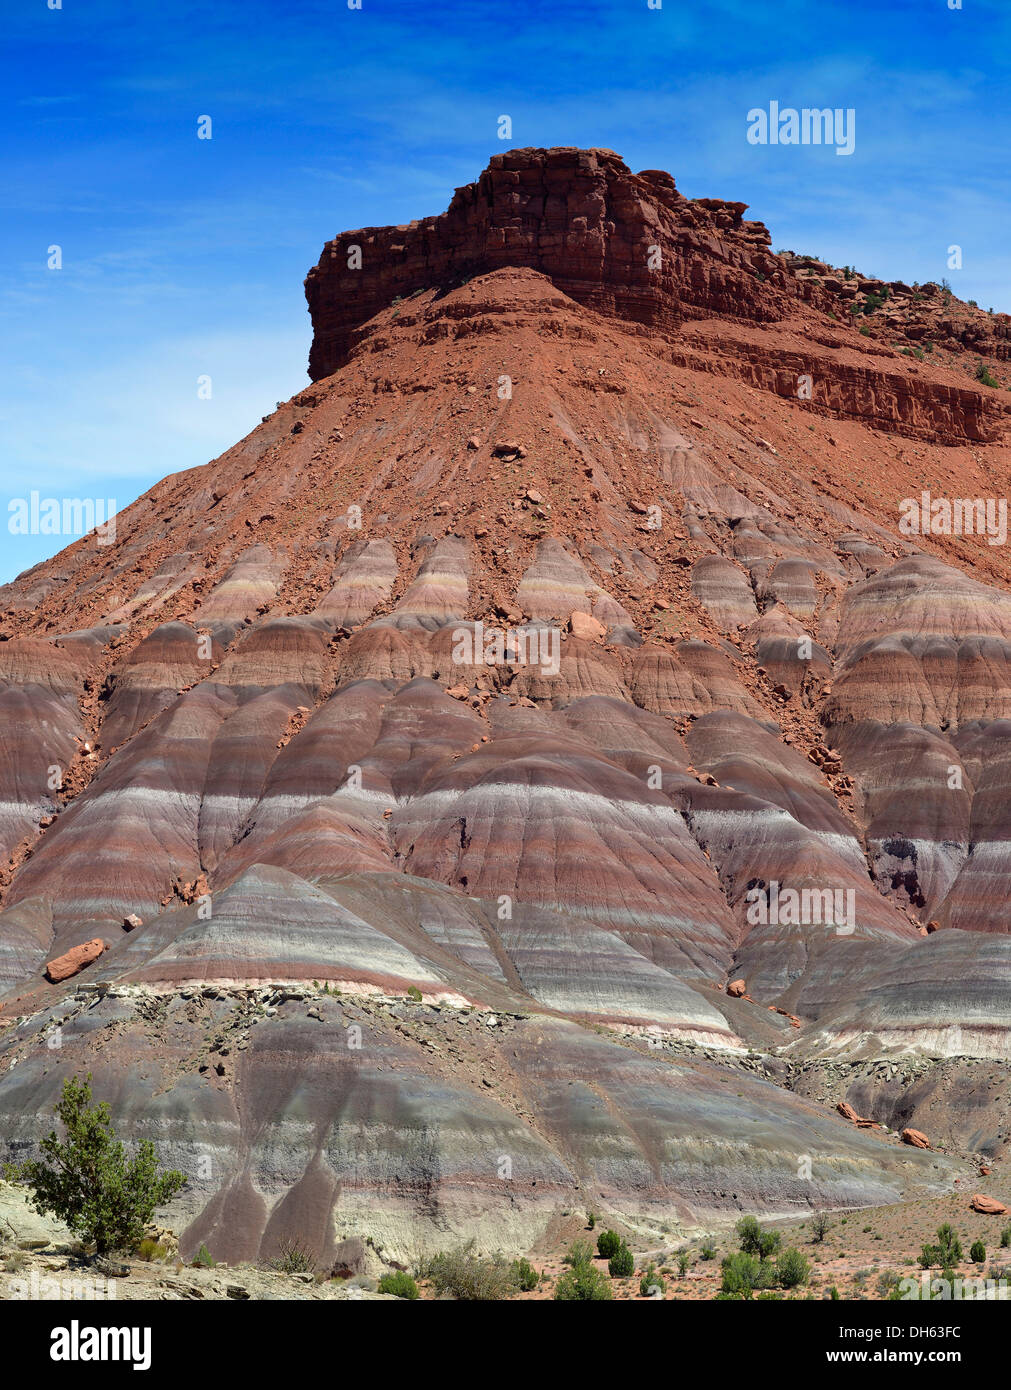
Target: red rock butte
{"type": "Point", "coordinates": [556, 656]}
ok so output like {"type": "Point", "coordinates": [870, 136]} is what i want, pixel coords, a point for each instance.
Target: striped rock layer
{"type": "Point", "coordinates": [461, 733]}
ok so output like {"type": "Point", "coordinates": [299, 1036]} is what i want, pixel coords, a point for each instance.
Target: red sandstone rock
{"type": "Point", "coordinates": [848, 1113]}
{"type": "Point", "coordinates": [584, 626]}
{"type": "Point", "coordinates": [914, 1137]}
{"type": "Point", "coordinates": [737, 989]}
{"type": "Point", "coordinates": [74, 960]}
{"type": "Point", "coordinates": [988, 1206]}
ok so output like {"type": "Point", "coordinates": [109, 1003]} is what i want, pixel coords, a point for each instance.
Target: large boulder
{"type": "Point", "coordinates": [989, 1206]}
{"type": "Point", "coordinates": [914, 1137]}
{"type": "Point", "coordinates": [75, 960]}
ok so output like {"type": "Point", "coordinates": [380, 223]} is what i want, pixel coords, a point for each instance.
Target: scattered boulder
{"type": "Point", "coordinates": [75, 960]}
{"type": "Point", "coordinates": [848, 1113]}
{"type": "Point", "coordinates": [737, 989]}
{"type": "Point", "coordinates": [509, 449]}
{"type": "Point", "coordinates": [584, 625]}
{"type": "Point", "coordinates": [132, 921]}
{"type": "Point", "coordinates": [989, 1206]}
{"type": "Point", "coordinates": [914, 1137]}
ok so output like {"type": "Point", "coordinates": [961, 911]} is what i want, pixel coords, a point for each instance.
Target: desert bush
{"type": "Point", "coordinates": [608, 1243]}
{"type": "Point", "coordinates": [651, 1282]}
{"type": "Point", "coordinates": [524, 1275]}
{"type": "Point", "coordinates": [294, 1257]}
{"type": "Point", "coordinates": [684, 1263]}
{"type": "Point", "coordinates": [977, 1252]}
{"type": "Point", "coordinates": [583, 1282]}
{"type": "Point", "coordinates": [951, 1246]}
{"type": "Point", "coordinates": [580, 1252]}
{"type": "Point", "coordinates": [707, 1250]}
{"type": "Point", "coordinates": [87, 1180]}
{"type": "Point", "coordinates": [756, 1241]}
{"type": "Point", "coordinates": [149, 1250]}
{"type": "Point", "coordinates": [743, 1274]}
{"type": "Point", "coordinates": [792, 1269]}
{"type": "Point", "coordinates": [820, 1227]}
{"type": "Point", "coordinates": [470, 1277]}
{"type": "Point", "coordinates": [203, 1260]}
{"type": "Point", "coordinates": [400, 1284]}
{"type": "Point", "coordinates": [622, 1263]}
{"type": "Point", "coordinates": [1005, 1237]}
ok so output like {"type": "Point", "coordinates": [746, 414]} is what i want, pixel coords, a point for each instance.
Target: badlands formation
{"type": "Point", "coordinates": [385, 943]}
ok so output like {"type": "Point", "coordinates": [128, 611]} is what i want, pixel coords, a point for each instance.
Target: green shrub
{"type": "Point", "coordinates": [985, 376]}
{"type": "Point", "coordinates": [1005, 1237]}
{"type": "Point", "coordinates": [591, 1220]}
{"type": "Point", "coordinates": [622, 1263]}
{"type": "Point", "coordinates": [88, 1182]}
{"type": "Point", "coordinates": [607, 1244]}
{"type": "Point", "coordinates": [524, 1275]}
{"type": "Point", "coordinates": [946, 1276]}
{"type": "Point", "coordinates": [951, 1246]}
{"type": "Point", "coordinates": [707, 1250]}
{"type": "Point", "coordinates": [580, 1252]}
{"type": "Point", "coordinates": [149, 1250]}
{"type": "Point", "coordinates": [399, 1284]}
{"type": "Point", "coordinates": [820, 1227]}
{"type": "Point", "coordinates": [742, 1274]}
{"type": "Point", "coordinates": [583, 1283]}
{"type": "Point", "coordinates": [792, 1269]}
{"type": "Point", "coordinates": [977, 1252]}
{"type": "Point", "coordinates": [756, 1241]}
{"type": "Point", "coordinates": [202, 1259]}
{"type": "Point", "coordinates": [470, 1277]}
{"type": "Point", "coordinates": [652, 1282]}
{"type": "Point", "coordinates": [684, 1263]}
{"type": "Point", "coordinates": [414, 993]}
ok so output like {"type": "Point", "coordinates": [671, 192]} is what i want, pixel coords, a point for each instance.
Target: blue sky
{"type": "Point", "coordinates": [185, 257]}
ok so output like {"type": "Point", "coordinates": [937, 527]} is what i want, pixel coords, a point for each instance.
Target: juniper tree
{"type": "Point", "coordinates": [87, 1180]}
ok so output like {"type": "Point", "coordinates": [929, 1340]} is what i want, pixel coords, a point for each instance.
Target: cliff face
{"type": "Point", "coordinates": [632, 248]}
{"type": "Point", "coordinates": [624, 244]}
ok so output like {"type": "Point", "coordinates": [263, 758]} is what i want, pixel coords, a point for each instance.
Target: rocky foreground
{"type": "Point", "coordinates": [399, 816]}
